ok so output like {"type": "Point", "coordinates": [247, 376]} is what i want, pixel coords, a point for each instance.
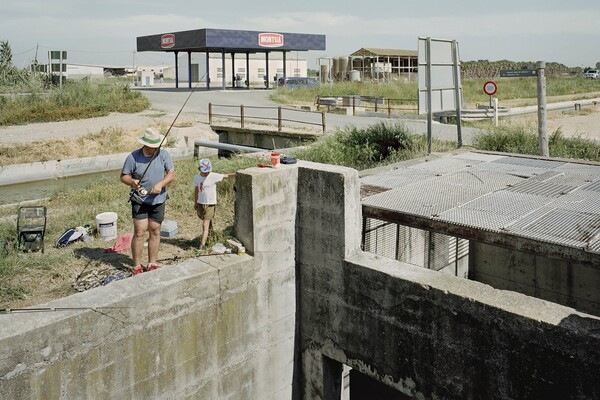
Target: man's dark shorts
{"type": "Point", "coordinates": [155, 212]}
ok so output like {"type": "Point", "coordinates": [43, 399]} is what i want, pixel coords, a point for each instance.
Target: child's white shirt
{"type": "Point", "coordinates": [207, 187]}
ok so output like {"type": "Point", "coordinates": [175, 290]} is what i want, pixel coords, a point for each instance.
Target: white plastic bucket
{"type": "Point", "coordinates": [107, 225]}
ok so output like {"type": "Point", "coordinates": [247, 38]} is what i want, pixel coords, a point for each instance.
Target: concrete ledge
{"type": "Point", "coordinates": [56, 169]}
{"type": "Point", "coordinates": [213, 328]}
{"type": "Point", "coordinates": [448, 337]}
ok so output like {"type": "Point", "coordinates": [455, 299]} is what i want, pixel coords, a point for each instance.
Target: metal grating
{"type": "Point", "coordinates": [548, 189]}
{"type": "Point", "coordinates": [579, 200]}
{"type": "Point", "coordinates": [494, 211]}
{"type": "Point", "coordinates": [397, 178]}
{"type": "Point", "coordinates": [546, 200]}
{"type": "Point", "coordinates": [530, 162]}
{"type": "Point", "coordinates": [442, 166]}
{"type": "Point", "coordinates": [476, 219]}
{"type": "Point", "coordinates": [481, 157]}
{"type": "Point", "coordinates": [414, 246]}
{"type": "Point", "coordinates": [567, 178]}
{"type": "Point", "coordinates": [591, 171]}
{"type": "Point", "coordinates": [592, 186]}
{"type": "Point", "coordinates": [369, 190]}
{"type": "Point", "coordinates": [567, 224]}
{"type": "Point", "coordinates": [427, 199]}
{"type": "Point", "coordinates": [594, 246]}
{"type": "Point", "coordinates": [511, 169]}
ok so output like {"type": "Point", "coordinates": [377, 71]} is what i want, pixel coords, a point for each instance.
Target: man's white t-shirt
{"type": "Point", "coordinates": [207, 187]}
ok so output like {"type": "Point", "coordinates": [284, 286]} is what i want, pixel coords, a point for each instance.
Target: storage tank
{"type": "Point", "coordinates": [343, 65]}
{"type": "Point", "coordinates": [354, 75]}
{"type": "Point", "coordinates": [336, 69]}
{"type": "Point", "coordinates": [324, 73]}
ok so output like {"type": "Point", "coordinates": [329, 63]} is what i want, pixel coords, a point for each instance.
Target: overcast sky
{"type": "Point", "coordinates": [105, 31]}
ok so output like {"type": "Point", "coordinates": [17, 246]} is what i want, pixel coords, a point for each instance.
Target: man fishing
{"type": "Point", "coordinates": [148, 170]}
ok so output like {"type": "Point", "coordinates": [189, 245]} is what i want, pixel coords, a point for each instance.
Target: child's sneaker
{"type": "Point", "coordinates": [138, 269]}
{"type": "Point", "coordinates": [152, 267]}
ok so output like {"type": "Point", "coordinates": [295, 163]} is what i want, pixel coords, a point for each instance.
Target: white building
{"type": "Point", "coordinates": [253, 68]}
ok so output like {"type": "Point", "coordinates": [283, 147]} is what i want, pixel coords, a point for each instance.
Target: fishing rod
{"type": "Point", "coordinates": [56, 309]}
{"type": "Point", "coordinates": [142, 191]}
{"type": "Point", "coordinates": [51, 309]}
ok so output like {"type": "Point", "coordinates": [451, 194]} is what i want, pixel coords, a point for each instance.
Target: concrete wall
{"type": "Point", "coordinates": [421, 332]}
{"type": "Point", "coordinates": [209, 328]}
{"type": "Point", "coordinates": [571, 284]}
{"type": "Point", "coordinates": [264, 139]}
{"type": "Point", "coordinates": [282, 321]}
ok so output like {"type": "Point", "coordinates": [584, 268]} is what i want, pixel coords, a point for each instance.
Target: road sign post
{"type": "Point", "coordinates": [542, 111]}
{"type": "Point", "coordinates": [490, 88]}
{"type": "Point", "coordinates": [541, 92]}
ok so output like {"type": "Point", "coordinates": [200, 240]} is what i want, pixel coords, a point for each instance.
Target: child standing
{"type": "Point", "coordinates": [205, 195]}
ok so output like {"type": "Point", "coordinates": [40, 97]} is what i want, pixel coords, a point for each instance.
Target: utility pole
{"type": "Point", "coordinates": [542, 110]}
{"type": "Point", "coordinates": [133, 72]}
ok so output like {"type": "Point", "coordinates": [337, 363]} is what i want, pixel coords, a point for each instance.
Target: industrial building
{"type": "Point", "coordinates": [373, 64]}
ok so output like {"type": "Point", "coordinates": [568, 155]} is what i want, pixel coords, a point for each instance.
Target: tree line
{"type": "Point", "coordinates": [484, 69]}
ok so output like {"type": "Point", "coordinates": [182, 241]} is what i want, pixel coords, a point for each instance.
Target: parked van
{"type": "Point", "coordinates": [297, 81]}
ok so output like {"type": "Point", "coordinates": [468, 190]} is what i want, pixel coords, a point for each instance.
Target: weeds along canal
{"type": "Point", "coordinates": [31, 191]}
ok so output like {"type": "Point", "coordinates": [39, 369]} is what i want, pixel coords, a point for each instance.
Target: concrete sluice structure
{"type": "Point", "coordinates": [290, 318]}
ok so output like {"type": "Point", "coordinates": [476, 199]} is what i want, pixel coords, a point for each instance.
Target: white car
{"type": "Point", "coordinates": [592, 74]}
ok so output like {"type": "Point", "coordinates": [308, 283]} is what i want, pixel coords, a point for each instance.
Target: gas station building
{"type": "Point", "coordinates": [244, 55]}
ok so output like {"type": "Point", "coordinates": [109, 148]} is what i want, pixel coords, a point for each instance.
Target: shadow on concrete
{"type": "Point", "coordinates": [582, 324]}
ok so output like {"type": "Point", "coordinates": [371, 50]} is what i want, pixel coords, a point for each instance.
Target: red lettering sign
{"type": "Point", "coordinates": [167, 41]}
{"type": "Point", "coordinates": [270, 39]}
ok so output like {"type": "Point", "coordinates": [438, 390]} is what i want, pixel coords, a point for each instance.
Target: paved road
{"type": "Point", "coordinates": [166, 103]}
{"type": "Point", "coordinates": [171, 101]}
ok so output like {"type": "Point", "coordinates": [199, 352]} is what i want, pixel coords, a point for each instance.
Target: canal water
{"type": "Point", "coordinates": [31, 191]}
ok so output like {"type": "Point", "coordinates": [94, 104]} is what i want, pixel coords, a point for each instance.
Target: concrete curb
{"type": "Point", "coordinates": [56, 169]}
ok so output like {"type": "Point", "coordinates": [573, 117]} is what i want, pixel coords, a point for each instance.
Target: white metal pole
{"type": "Point", "coordinates": [429, 94]}
{"type": "Point", "coordinates": [457, 91]}
{"type": "Point", "coordinates": [495, 111]}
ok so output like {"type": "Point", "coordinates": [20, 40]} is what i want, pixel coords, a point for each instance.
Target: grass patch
{"type": "Point", "coordinates": [379, 144]}
{"type": "Point", "coordinates": [74, 101]}
{"type": "Point", "coordinates": [29, 278]}
{"type": "Point", "coordinates": [513, 91]}
{"type": "Point", "coordinates": [523, 139]}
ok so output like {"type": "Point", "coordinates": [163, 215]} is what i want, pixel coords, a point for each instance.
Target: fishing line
{"type": "Point", "coordinates": [55, 309]}
{"type": "Point", "coordinates": [142, 191]}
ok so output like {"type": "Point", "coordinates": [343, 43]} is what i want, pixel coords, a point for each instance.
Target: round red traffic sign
{"type": "Point", "coordinates": [490, 88]}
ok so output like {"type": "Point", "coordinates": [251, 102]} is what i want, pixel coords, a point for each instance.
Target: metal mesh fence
{"type": "Point", "coordinates": [418, 247]}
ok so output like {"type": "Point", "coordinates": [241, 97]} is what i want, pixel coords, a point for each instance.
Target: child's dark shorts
{"type": "Point", "coordinates": [206, 211]}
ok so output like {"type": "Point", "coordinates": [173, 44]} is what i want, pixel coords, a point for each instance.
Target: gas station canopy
{"type": "Point", "coordinates": [230, 41]}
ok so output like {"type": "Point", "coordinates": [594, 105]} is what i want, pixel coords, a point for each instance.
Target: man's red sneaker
{"type": "Point", "coordinates": [138, 269]}
{"type": "Point", "coordinates": [152, 267]}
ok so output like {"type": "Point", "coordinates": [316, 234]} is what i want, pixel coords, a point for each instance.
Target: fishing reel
{"type": "Point", "coordinates": [142, 191]}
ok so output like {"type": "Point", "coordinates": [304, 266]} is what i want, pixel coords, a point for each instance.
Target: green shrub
{"type": "Point", "coordinates": [378, 144]}
{"type": "Point", "coordinates": [522, 139]}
